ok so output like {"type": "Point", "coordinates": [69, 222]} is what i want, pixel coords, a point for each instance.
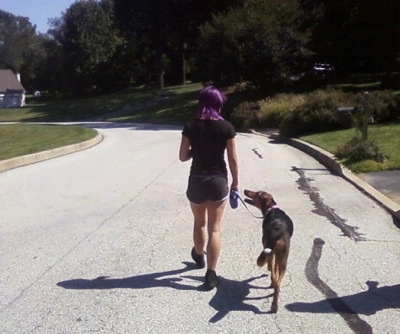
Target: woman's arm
{"type": "Point", "coordinates": [184, 150]}
{"type": "Point", "coordinates": [233, 162]}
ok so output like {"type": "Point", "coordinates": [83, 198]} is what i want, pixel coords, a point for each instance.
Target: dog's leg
{"type": "Point", "coordinates": [274, 306]}
{"type": "Point", "coordinates": [275, 283]}
{"type": "Point", "coordinates": [278, 270]}
{"type": "Point", "coordinates": [271, 261]}
{"type": "Point", "coordinates": [282, 258]}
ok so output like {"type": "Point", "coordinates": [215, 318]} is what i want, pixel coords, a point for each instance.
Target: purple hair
{"type": "Point", "coordinates": [211, 101]}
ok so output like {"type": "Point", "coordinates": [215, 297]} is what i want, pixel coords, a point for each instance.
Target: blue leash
{"type": "Point", "coordinates": [233, 200]}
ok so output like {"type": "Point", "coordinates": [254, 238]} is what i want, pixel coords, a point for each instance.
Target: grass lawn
{"type": "Point", "coordinates": [172, 100]}
{"type": "Point", "coordinates": [177, 107]}
{"type": "Point", "coordinates": [174, 105]}
{"type": "Point", "coordinates": [22, 139]}
{"type": "Point", "coordinates": [386, 136]}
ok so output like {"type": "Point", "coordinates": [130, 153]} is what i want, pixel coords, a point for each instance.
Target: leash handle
{"type": "Point", "coordinates": [233, 199]}
{"type": "Point", "coordinates": [245, 205]}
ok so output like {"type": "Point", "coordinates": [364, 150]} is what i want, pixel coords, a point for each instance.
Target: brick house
{"type": "Point", "coordinates": [12, 93]}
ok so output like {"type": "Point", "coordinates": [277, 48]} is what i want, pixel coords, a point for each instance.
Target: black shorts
{"type": "Point", "coordinates": [213, 187]}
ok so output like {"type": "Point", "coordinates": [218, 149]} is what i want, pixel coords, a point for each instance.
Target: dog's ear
{"type": "Point", "coordinates": [267, 198]}
{"type": "Point", "coordinates": [266, 201]}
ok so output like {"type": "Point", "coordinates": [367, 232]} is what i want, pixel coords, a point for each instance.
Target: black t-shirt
{"type": "Point", "coordinates": [208, 143]}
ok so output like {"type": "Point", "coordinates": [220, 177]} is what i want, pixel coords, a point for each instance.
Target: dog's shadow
{"type": "Point", "coordinates": [231, 295]}
{"type": "Point", "coordinates": [146, 281]}
{"type": "Point", "coordinates": [367, 302]}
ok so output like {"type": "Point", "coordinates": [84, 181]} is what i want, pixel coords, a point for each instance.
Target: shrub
{"type": "Point", "coordinates": [275, 109]}
{"type": "Point", "coordinates": [358, 150]}
{"type": "Point", "coordinates": [321, 105]}
{"type": "Point", "coordinates": [299, 114]}
{"type": "Point", "coordinates": [267, 113]}
{"type": "Point", "coordinates": [306, 121]}
{"type": "Point", "coordinates": [243, 116]}
{"type": "Point", "coordinates": [384, 105]}
{"type": "Point", "coordinates": [316, 114]}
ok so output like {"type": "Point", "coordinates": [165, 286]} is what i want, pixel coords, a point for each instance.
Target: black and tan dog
{"type": "Point", "coordinates": [277, 230]}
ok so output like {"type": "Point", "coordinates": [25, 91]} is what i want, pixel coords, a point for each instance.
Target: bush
{"type": "Point", "coordinates": [316, 114]}
{"type": "Point", "coordinates": [243, 116]}
{"type": "Point", "coordinates": [306, 121]}
{"type": "Point", "coordinates": [299, 114]}
{"type": "Point", "coordinates": [385, 106]}
{"type": "Point", "coordinates": [267, 113]}
{"type": "Point", "coordinates": [358, 150]}
{"type": "Point", "coordinates": [275, 109]}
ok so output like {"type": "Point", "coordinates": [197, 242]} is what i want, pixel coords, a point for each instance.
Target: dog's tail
{"type": "Point", "coordinates": [267, 250]}
{"type": "Point", "coordinates": [263, 257]}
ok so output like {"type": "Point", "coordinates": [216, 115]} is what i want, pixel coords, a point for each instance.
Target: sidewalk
{"type": "Point", "coordinates": [383, 187]}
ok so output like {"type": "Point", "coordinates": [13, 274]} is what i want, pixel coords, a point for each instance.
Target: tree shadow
{"type": "Point", "coordinates": [231, 296]}
{"type": "Point", "coordinates": [154, 280]}
{"type": "Point", "coordinates": [367, 302]}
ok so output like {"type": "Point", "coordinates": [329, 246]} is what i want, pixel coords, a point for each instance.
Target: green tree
{"type": "Point", "coordinates": [359, 35]}
{"type": "Point", "coordinates": [374, 33]}
{"type": "Point", "coordinates": [263, 42]}
{"type": "Point", "coordinates": [163, 31]}
{"type": "Point", "coordinates": [89, 40]}
{"type": "Point", "coordinates": [50, 74]}
{"type": "Point", "coordinates": [35, 57]}
{"type": "Point", "coordinates": [21, 49]}
{"type": "Point", "coordinates": [16, 36]}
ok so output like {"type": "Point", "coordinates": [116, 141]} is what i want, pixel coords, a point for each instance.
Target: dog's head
{"type": "Point", "coordinates": [260, 199]}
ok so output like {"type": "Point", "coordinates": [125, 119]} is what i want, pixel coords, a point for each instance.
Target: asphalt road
{"type": "Point", "coordinates": [388, 182]}
{"type": "Point", "coordinates": [99, 242]}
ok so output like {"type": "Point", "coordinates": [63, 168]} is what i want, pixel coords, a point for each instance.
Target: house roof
{"type": "Point", "coordinates": [8, 81]}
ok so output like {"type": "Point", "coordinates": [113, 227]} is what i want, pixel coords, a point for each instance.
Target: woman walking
{"type": "Point", "coordinates": [205, 140]}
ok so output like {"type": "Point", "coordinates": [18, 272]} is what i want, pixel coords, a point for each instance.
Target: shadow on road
{"type": "Point", "coordinates": [154, 280]}
{"type": "Point", "coordinates": [348, 307]}
{"type": "Point", "coordinates": [367, 302]}
{"type": "Point", "coordinates": [231, 296]}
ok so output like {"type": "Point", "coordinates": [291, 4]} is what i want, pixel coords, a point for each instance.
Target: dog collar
{"type": "Point", "coordinates": [273, 207]}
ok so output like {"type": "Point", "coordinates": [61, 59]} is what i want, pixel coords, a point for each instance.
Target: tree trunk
{"type": "Point", "coordinates": [183, 68]}
{"type": "Point", "coordinates": [162, 80]}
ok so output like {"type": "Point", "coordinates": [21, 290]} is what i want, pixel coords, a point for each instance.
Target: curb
{"type": "Point", "coordinates": [49, 154]}
{"type": "Point", "coordinates": [330, 162]}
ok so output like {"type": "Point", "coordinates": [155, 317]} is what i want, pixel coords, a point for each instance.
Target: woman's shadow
{"type": "Point", "coordinates": [161, 279]}
{"type": "Point", "coordinates": [230, 295]}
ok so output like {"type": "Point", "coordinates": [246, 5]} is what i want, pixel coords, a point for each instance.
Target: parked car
{"type": "Point", "coordinates": [322, 68]}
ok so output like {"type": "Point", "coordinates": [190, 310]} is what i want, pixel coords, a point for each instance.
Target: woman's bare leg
{"type": "Point", "coordinates": [215, 211]}
{"type": "Point", "coordinates": [199, 229]}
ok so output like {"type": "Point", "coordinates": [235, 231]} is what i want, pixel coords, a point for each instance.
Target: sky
{"type": "Point", "coordinates": [38, 11]}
